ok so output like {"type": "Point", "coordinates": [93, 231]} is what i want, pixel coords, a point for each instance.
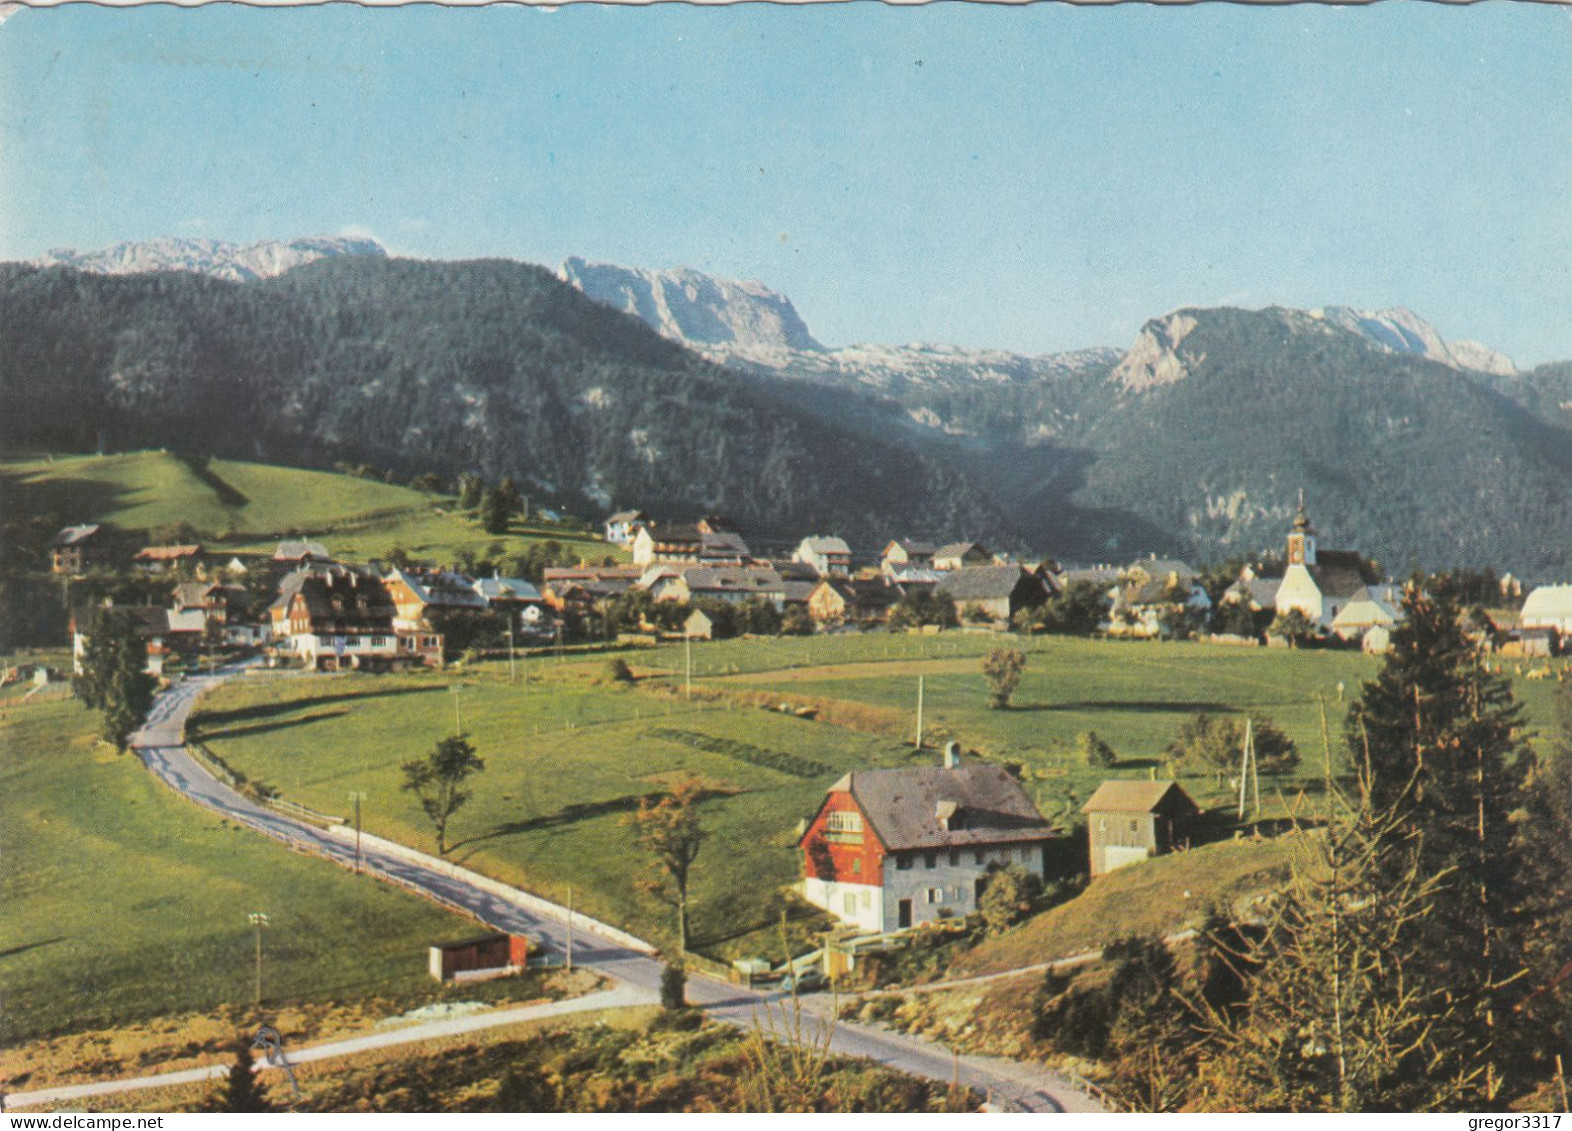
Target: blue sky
{"type": "Point", "coordinates": [1032, 178]}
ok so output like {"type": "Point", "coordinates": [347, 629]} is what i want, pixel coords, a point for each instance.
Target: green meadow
{"type": "Point", "coordinates": [124, 902]}
{"type": "Point", "coordinates": [569, 752]}
{"type": "Point", "coordinates": [247, 506]}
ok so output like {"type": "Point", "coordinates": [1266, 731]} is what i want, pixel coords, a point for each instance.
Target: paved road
{"type": "Point", "coordinates": [1011, 1084]}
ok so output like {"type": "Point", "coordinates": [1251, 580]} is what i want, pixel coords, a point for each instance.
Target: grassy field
{"type": "Point", "coordinates": [247, 506]}
{"type": "Point", "coordinates": [569, 752]}
{"type": "Point", "coordinates": [567, 758]}
{"type": "Point", "coordinates": [1161, 896]}
{"type": "Point", "coordinates": [124, 902]}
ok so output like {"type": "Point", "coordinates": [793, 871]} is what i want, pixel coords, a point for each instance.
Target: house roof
{"type": "Point", "coordinates": [592, 573]}
{"type": "Point", "coordinates": [732, 579]}
{"type": "Point", "coordinates": [904, 574]}
{"type": "Point", "coordinates": [1547, 601]}
{"type": "Point", "coordinates": [506, 589]}
{"type": "Point", "coordinates": [813, 544]}
{"type": "Point", "coordinates": [797, 592]}
{"type": "Point", "coordinates": [983, 583]}
{"type": "Point", "coordinates": [167, 553]}
{"type": "Point", "coordinates": [441, 588]}
{"type": "Point", "coordinates": [295, 551]}
{"type": "Point", "coordinates": [903, 805]}
{"type": "Point", "coordinates": [1139, 797]}
{"type": "Point", "coordinates": [628, 516]}
{"type": "Point", "coordinates": [190, 594]}
{"type": "Point", "coordinates": [75, 535]}
{"type": "Point", "coordinates": [1365, 609]}
{"type": "Point", "coordinates": [913, 548]}
{"type": "Point", "coordinates": [1339, 573]}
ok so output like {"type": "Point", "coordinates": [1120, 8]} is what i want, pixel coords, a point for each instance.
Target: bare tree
{"type": "Point", "coordinates": [670, 831]}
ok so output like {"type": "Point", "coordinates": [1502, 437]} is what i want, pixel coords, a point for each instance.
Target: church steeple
{"type": "Point", "coordinates": [1301, 539]}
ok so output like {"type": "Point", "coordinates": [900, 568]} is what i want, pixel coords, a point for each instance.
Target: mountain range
{"type": "Point", "coordinates": [693, 392]}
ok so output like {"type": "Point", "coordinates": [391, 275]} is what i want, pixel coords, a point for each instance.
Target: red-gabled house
{"type": "Point", "coordinates": [889, 849]}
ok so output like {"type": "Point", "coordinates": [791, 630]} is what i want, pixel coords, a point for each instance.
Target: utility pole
{"type": "Point", "coordinates": [357, 796]}
{"type": "Point", "coordinates": [919, 712]}
{"type": "Point", "coordinates": [687, 641]}
{"type": "Point", "coordinates": [1247, 770]}
{"type": "Point", "coordinates": [458, 718]}
{"type": "Point", "coordinates": [513, 672]}
{"type": "Point", "coordinates": [570, 928]}
{"type": "Point", "coordinates": [259, 920]}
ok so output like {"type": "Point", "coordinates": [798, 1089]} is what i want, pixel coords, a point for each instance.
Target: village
{"type": "Point", "coordinates": [888, 849]}
{"type": "Point", "coordinates": [700, 581]}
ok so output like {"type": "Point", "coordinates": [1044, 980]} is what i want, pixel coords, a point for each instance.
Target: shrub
{"type": "Point", "coordinates": [674, 988]}
{"type": "Point", "coordinates": [617, 670]}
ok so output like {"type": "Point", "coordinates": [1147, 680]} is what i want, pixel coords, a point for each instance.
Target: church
{"type": "Point", "coordinates": [1319, 583]}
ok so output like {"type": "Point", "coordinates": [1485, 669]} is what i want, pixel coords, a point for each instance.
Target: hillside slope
{"type": "Point", "coordinates": [491, 366]}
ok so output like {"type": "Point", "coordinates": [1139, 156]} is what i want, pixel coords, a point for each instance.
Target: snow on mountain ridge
{"type": "Point", "coordinates": [238, 263]}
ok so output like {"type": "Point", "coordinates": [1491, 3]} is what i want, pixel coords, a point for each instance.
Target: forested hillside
{"type": "Point", "coordinates": [490, 366]}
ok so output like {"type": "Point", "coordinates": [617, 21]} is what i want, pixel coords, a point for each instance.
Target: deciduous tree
{"type": "Point", "coordinates": [1003, 668]}
{"type": "Point", "coordinates": [438, 780]}
{"type": "Point", "coordinates": [671, 832]}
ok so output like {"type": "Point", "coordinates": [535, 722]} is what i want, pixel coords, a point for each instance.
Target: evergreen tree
{"type": "Point", "coordinates": [114, 680]}
{"type": "Point", "coordinates": [1342, 1011]}
{"type": "Point", "coordinates": [242, 1091]}
{"type": "Point", "coordinates": [1438, 739]}
{"type": "Point", "coordinates": [1547, 884]}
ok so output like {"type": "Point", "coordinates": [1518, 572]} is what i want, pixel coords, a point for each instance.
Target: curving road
{"type": "Point", "coordinates": [1010, 1084]}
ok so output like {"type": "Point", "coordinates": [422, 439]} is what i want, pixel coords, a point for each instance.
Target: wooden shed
{"type": "Point", "coordinates": [496, 953]}
{"type": "Point", "coordinates": [1129, 821]}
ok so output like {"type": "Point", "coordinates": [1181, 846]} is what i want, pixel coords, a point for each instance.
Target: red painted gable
{"type": "Point", "coordinates": [843, 854]}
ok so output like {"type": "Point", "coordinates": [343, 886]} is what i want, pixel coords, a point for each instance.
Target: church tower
{"type": "Point", "coordinates": [1301, 539]}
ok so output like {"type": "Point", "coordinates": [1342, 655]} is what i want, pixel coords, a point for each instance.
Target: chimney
{"type": "Point", "coordinates": [952, 755]}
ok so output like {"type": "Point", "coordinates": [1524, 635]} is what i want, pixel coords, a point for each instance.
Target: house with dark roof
{"type": "Point", "coordinates": [907, 552]}
{"type": "Point", "coordinates": [1129, 821]}
{"type": "Point", "coordinates": [339, 618]}
{"type": "Point", "coordinates": [1152, 590]}
{"type": "Point", "coordinates": [298, 553]}
{"type": "Point", "coordinates": [157, 560]}
{"type": "Point", "coordinates": [73, 549]}
{"type": "Point", "coordinates": [958, 555]}
{"type": "Point", "coordinates": [836, 600]}
{"type": "Point", "coordinates": [827, 556]}
{"type": "Point", "coordinates": [999, 590]}
{"type": "Point", "coordinates": [706, 542]}
{"type": "Point", "coordinates": [622, 526]}
{"type": "Point", "coordinates": [889, 849]}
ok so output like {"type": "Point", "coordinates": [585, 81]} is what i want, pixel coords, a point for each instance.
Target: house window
{"type": "Point", "coordinates": [955, 858]}
{"type": "Point", "coordinates": [1135, 827]}
{"type": "Point", "coordinates": [935, 895]}
{"type": "Point", "coordinates": [978, 856]}
{"type": "Point", "coordinates": [379, 641]}
{"type": "Point", "coordinates": [903, 862]}
{"type": "Point", "coordinates": [867, 900]}
{"type": "Point", "coordinates": [844, 821]}
{"type": "Point", "coordinates": [849, 903]}
{"type": "Point", "coordinates": [857, 864]}
{"type": "Point", "coordinates": [931, 860]}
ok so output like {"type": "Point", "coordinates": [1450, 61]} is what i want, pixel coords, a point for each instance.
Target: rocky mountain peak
{"type": "Point", "coordinates": [714, 316]}
{"type": "Point", "coordinates": [238, 263]}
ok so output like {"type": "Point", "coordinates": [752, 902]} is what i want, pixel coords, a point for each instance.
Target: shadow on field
{"type": "Point", "coordinates": [10, 951]}
{"type": "Point", "coordinates": [578, 811]}
{"type": "Point", "coordinates": [1145, 706]}
{"type": "Point", "coordinates": [281, 724]}
{"type": "Point", "coordinates": [567, 815]}
{"type": "Point", "coordinates": [206, 719]}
